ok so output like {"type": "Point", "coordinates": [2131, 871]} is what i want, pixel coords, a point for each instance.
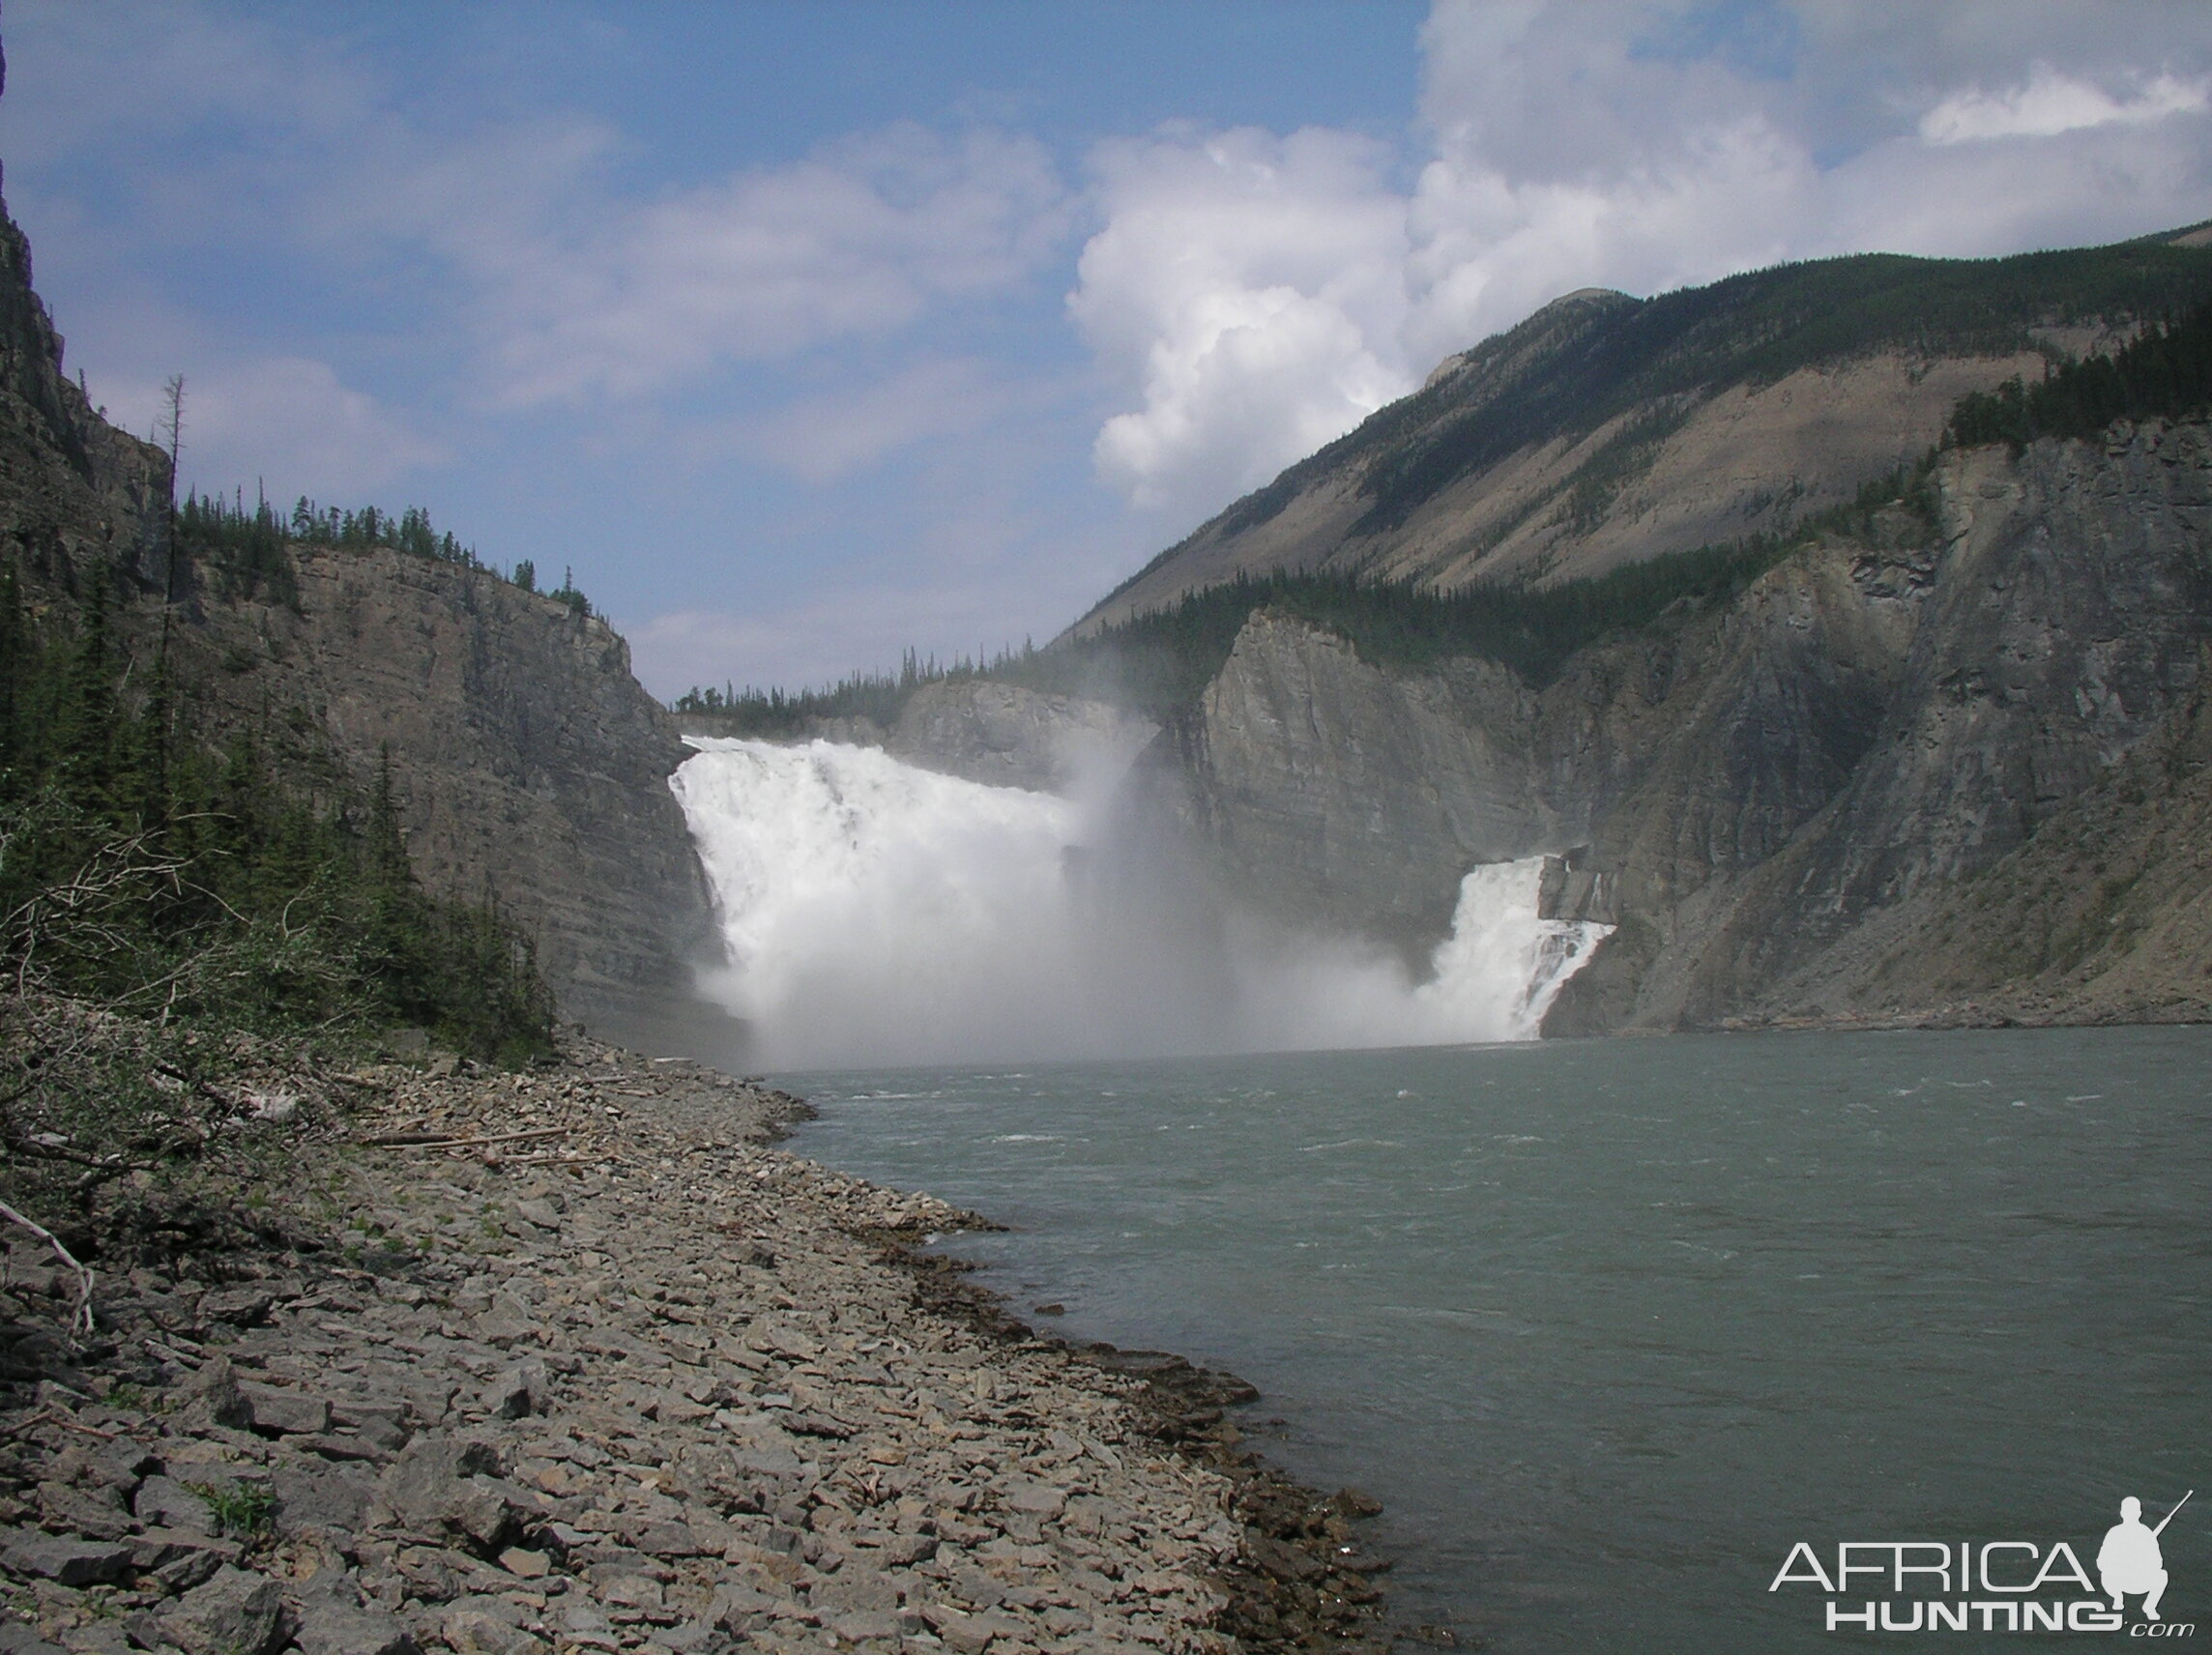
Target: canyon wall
{"type": "Point", "coordinates": [529, 765]}
{"type": "Point", "coordinates": [1783, 799]}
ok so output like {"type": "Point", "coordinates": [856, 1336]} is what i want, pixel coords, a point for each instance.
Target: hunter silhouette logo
{"type": "Point", "coordinates": [1993, 1585]}
{"type": "Point", "coordinates": [2130, 1559]}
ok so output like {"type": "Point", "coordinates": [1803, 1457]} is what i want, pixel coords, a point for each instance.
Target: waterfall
{"type": "Point", "coordinates": [877, 914]}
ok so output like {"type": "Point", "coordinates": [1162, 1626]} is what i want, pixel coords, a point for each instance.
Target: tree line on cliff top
{"type": "Point", "coordinates": [233, 877]}
{"type": "Point", "coordinates": [248, 553]}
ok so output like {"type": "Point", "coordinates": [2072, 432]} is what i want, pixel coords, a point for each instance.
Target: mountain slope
{"type": "Point", "coordinates": [1605, 429]}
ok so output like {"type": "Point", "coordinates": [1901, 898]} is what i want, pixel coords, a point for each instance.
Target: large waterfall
{"type": "Point", "coordinates": [876, 913]}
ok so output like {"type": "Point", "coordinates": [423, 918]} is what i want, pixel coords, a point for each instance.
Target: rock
{"type": "Point", "coordinates": [739, 1609]}
{"type": "Point", "coordinates": [234, 1614]}
{"type": "Point", "coordinates": [665, 1539]}
{"type": "Point", "coordinates": [438, 1484]}
{"type": "Point", "coordinates": [858, 1625]}
{"type": "Point", "coordinates": [211, 1397]}
{"type": "Point", "coordinates": [62, 1507]}
{"type": "Point", "coordinates": [538, 1212]}
{"type": "Point", "coordinates": [309, 1497]}
{"type": "Point", "coordinates": [904, 1550]}
{"type": "Point", "coordinates": [854, 1588]}
{"type": "Point", "coordinates": [168, 1503]}
{"type": "Point", "coordinates": [1036, 1500]}
{"type": "Point", "coordinates": [485, 1626]}
{"type": "Point", "coordinates": [186, 1570]}
{"type": "Point", "coordinates": [59, 1557]}
{"type": "Point", "coordinates": [379, 1425]}
{"type": "Point", "coordinates": [585, 1624]}
{"type": "Point", "coordinates": [518, 1390]}
{"type": "Point", "coordinates": [694, 1637]}
{"type": "Point", "coordinates": [503, 1331]}
{"type": "Point", "coordinates": [158, 1548]}
{"type": "Point", "coordinates": [333, 1627]}
{"type": "Point", "coordinates": [240, 1306]}
{"type": "Point", "coordinates": [529, 1565]}
{"type": "Point", "coordinates": [970, 1633]}
{"type": "Point", "coordinates": [629, 1591]}
{"type": "Point", "coordinates": [283, 1412]}
{"type": "Point", "coordinates": [1006, 736]}
{"type": "Point", "coordinates": [17, 1639]}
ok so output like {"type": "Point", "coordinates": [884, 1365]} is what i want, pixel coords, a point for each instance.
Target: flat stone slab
{"type": "Point", "coordinates": [286, 1413]}
{"type": "Point", "coordinates": [330, 1628]}
{"type": "Point", "coordinates": [71, 1562]}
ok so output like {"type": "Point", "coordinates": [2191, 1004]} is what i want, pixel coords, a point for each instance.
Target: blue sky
{"type": "Point", "coordinates": [808, 331]}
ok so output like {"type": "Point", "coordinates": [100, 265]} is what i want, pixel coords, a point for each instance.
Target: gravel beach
{"type": "Point", "coordinates": [612, 1372]}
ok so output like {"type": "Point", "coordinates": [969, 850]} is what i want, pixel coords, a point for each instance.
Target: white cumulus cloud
{"type": "Point", "coordinates": [1256, 296]}
{"type": "Point", "coordinates": [2047, 104]}
{"type": "Point", "coordinates": [1251, 290]}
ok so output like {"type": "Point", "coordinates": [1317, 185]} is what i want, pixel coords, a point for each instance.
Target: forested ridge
{"type": "Point", "coordinates": [1159, 661]}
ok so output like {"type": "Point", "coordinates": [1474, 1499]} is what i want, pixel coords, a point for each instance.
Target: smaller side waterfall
{"type": "Point", "coordinates": [1501, 941]}
{"type": "Point", "coordinates": [874, 914]}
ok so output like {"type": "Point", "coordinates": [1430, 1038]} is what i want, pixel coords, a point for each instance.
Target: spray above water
{"type": "Point", "coordinates": [873, 912]}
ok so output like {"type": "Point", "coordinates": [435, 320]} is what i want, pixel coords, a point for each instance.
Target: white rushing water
{"type": "Point", "coordinates": [874, 913]}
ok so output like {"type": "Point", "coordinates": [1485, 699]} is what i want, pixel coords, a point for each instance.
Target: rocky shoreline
{"type": "Point", "coordinates": [577, 1359]}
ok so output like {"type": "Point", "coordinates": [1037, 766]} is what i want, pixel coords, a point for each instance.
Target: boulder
{"type": "Point", "coordinates": [278, 1413]}
{"type": "Point", "coordinates": [236, 1612]}
{"type": "Point", "coordinates": [71, 1562]}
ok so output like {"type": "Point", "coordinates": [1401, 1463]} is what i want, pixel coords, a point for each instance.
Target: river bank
{"type": "Point", "coordinates": [578, 1359]}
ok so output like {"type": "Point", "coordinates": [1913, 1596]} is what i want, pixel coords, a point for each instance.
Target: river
{"type": "Point", "coordinates": [1610, 1326]}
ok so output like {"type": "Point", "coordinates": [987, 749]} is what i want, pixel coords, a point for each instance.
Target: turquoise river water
{"type": "Point", "coordinates": [1611, 1327]}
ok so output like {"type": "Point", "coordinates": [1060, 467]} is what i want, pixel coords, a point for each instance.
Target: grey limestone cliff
{"type": "Point", "coordinates": [1006, 735]}
{"type": "Point", "coordinates": [1775, 797]}
{"type": "Point", "coordinates": [530, 764]}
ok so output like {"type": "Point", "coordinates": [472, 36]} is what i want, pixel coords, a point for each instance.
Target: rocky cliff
{"type": "Point", "coordinates": [530, 763]}
{"type": "Point", "coordinates": [1823, 799]}
{"type": "Point", "coordinates": [530, 766]}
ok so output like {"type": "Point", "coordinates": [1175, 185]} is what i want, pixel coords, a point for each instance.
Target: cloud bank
{"type": "Point", "coordinates": [939, 382]}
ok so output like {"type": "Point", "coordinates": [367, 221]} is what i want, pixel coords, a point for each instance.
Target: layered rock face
{"type": "Point", "coordinates": [74, 491]}
{"type": "Point", "coordinates": [531, 764]}
{"type": "Point", "coordinates": [1776, 798]}
{"type": "Point", "coordinates": [1004, 735]}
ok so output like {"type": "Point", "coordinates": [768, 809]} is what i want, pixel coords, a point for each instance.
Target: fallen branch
{"type": "Point", "coordinates": [55, 1416]}
{"type": "Point", "coordinates": [83, 1317]}
{"type": "Point", "coordinates": [431, 1140]}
